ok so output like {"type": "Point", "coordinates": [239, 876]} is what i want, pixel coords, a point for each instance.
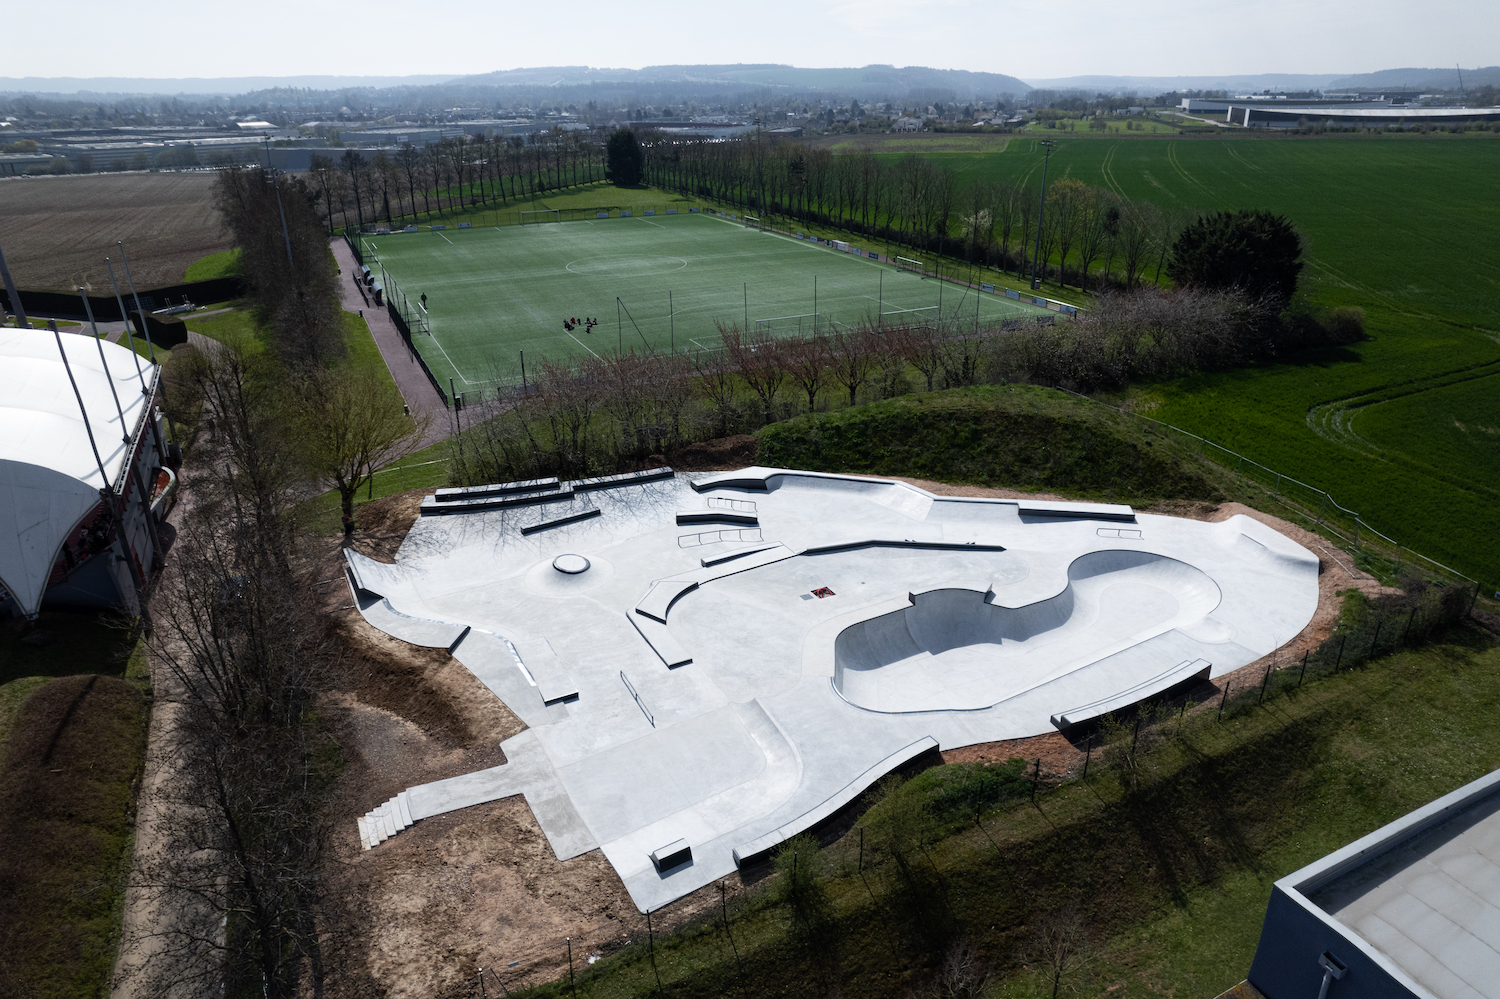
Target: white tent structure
{"type": "Point", "coordinates": [79, 453]}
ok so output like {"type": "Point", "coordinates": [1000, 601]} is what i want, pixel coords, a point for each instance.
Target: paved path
{"type": "Point", "coordinates": [418, 392]}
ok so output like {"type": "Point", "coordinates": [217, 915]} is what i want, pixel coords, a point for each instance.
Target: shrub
{"type": "Point", "coordinates": [1346, 324]}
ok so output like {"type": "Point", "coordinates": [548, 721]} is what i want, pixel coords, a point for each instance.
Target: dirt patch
{"type": "Point", "coordinates": [382, 525]}
{"type": "Point", "coordinates": [719, 455]}
{"type": "Point", "coordinates": [58, 230]}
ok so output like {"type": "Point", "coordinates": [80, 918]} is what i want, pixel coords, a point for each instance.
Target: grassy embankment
{"type": "Point", "coordinates": [72, 740]}
{"type": "Point", "coordinates": [1016, 436]}
{"type": "Point", "coordinates": [216, 265]}
{"type": "Point", "coordinates": [1167, 860]}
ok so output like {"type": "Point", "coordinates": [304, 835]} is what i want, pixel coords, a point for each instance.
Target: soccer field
{"type": "Point", "coordinates": [492, 293]}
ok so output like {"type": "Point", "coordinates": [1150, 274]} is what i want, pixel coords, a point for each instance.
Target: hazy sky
{"type": "Point", "coordinates": [1025, 38]}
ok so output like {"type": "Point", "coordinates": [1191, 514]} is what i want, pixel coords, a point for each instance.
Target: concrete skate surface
{"type": "Point", "coordinates": [723, 660]}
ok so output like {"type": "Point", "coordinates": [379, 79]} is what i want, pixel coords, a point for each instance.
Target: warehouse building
{"type": "Point", "coordinates": [85, 472]}
{"type": "Point", "coordinates": [1278, 115]}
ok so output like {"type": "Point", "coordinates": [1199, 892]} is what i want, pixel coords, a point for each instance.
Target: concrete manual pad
{"type": "Point", "coordinates": [707, 694]}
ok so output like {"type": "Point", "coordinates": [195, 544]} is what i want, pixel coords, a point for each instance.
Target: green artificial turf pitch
{"type": "Point", "coordinates": [492, 293]}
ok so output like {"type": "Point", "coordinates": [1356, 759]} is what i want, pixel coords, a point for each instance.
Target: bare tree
{"type": "Point", "coordinates": [350, 426]}
{"type": "Point", "coordinates": [854, 357]}
{"type": "Point", "coordinates": [808, 362]}
{"type": "Point", "coordinates": [1061, 943]}
{"type": "Point", "coordinates": [761, 363]}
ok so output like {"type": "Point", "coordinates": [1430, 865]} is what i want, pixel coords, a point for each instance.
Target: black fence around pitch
{"type": "Point", "coordinates": [65, 306]}
{"type": "Point", "coordinates": [405, 331]}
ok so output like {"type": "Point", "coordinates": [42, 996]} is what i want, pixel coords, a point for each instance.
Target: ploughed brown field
{"type": "Point", "coordinates": [56, 231]}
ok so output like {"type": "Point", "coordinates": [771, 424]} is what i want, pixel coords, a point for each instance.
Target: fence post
{"type": "Point", "coordinates": [1407, 629]}
{"type": "Point", "coordinates": [861, 849]}
{"type": "Point", "coordinates": [1302, 674]}
{"type": "Point", "coordinates": [1340, 660]}
{"type": "Point", "coordinates": [651, 943]}
{"type": "Point", "coordinates": [572, 987]}
{"type": "Point", "coordinates": [1088, 751]}
{"type": "Point", "coordinates": [1134, 739]}
{"type": "Point", "coordinates": [1266, 679]}
{"type": "Point", "coordinates": [1223, 700]}
{"type": "Point", "coordinates": [1036, 776]}
{"type": "Point", "coordinates": [1321, 504]}
{"type": "Point", "coordinates": [1375, 642]}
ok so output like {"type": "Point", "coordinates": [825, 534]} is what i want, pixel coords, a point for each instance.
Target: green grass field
{"type": "Point", "coordinates": [492, 293]}
{"type": "Point", "coordinates": [1399, 225]}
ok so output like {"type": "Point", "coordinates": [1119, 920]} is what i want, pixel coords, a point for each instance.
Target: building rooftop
{"type": "Point", "coordinates": [1424, 892]}
{"type": "Point", "coordinates": [49, 477]}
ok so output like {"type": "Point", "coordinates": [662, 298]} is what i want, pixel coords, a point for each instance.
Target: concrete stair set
{"type": "Point", "coordinates": [385, 821]}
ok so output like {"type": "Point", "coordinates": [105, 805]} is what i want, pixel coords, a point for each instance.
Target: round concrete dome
{"type": "Point", "coordinates": [571, 564]}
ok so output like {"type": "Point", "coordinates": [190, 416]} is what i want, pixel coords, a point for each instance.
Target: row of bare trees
{"type": "Point", "coordinates": [609, 413]}
{"type": "Point", "coordinates": [356, 189]}
{"type": "Point", "coordinates": [242, 654]}
{"type": "Point", "coordinates": [1088, 235]}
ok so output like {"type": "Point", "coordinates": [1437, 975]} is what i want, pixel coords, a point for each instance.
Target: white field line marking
{"type": "Point", "coordinates": [460, 374]}
{"type": "Point", "coordinates": [583, 345]}
{"type": "Point", "coordinates": [657, 224]}
{"type": "Point", "coordinates": [447, 240]}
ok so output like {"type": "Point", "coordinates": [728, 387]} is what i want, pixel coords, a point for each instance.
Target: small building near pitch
{"type": "Point", "coordinates": [85, 472]}
{"type": "Point", "coordinates": [1411, 910]}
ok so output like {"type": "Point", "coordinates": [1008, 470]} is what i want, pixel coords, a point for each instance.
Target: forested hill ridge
{"type": "Point", "coordinates": [878, 80]}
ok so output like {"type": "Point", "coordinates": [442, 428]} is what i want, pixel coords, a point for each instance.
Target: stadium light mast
{"type": "Point", "coordinates": [1036, 280]}
{"type": "Point", "coordinates": [271, 173]}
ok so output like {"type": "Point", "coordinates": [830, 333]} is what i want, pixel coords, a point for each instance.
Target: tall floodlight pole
{"type": "Point", "coordinates": [15, 300]}
{"type": "Point", "coordinates": [1036, 279]}
{"type": "Point", "coordinates": [271, 173]}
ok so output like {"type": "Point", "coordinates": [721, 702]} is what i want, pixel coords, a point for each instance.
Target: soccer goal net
{"type": "Point", "coordinates": [910, 317]}
{"type": "Point", "coordinates": [537, 215]}
{"type": "Point", "coordinates": [751, 222]}
{"type": "Point", "coordinates": [805, 325]}
{"type": "Point", "coordinates": [908, 264]}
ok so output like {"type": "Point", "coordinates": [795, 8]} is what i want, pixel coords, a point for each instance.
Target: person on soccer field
{"type": "Point", "coordinates": [424, 299]}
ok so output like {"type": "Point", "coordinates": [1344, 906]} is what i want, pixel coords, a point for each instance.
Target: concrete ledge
{"type": "Point", "coordinates": [717, 516]}
{"type": "Point", "coordinates": [731, 556]}
{"type": "Point", "coordinates": [672, 855]}
{"type": "Point", "coordinates": [662, 642]}
{"type": "Point", "coordinates": [757, 848]}
{"type": "Point", "coordinates": [571, 518]}
{"type": "Point", "coordinates": [950, 546]}
{"type": "Point", "coordinates": [1133, 695]}
{"type": "Point", "coordinates": [431, 504]}
{"type": "Point", "coordinates": [658, 600]}
{"type": "Point", "coordinates": [1076, 511]}
{"type": "Point", "coordinates": [456, 493]}
{"type": "Point", "coordinates": [623, 479]}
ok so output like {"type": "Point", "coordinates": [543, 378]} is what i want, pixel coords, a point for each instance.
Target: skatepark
{"type": "Point", "coordinates": [709, 664]}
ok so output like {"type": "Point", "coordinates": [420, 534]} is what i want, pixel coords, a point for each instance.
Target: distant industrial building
{"type": "Point", "coordinates": [1411, 910]}
{"type": "Point", "coordinates": [1363, 109]}
{"type": "Point", "coordinates": [1378, 115]}
{"type": "Point", "coordinates": [85, 472]}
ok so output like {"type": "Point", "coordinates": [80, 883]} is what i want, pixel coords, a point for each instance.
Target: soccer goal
{"type": "Point", "coordinates": [908, 264]}
{"type": "Point", "coordinates": [807, 324]}
{"type": "Point", "coordinates": [751, 222]}
{"type": "Point", "coordinates": [910, 317]}
{"type": "Point", "coordinates": [538, 215]}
